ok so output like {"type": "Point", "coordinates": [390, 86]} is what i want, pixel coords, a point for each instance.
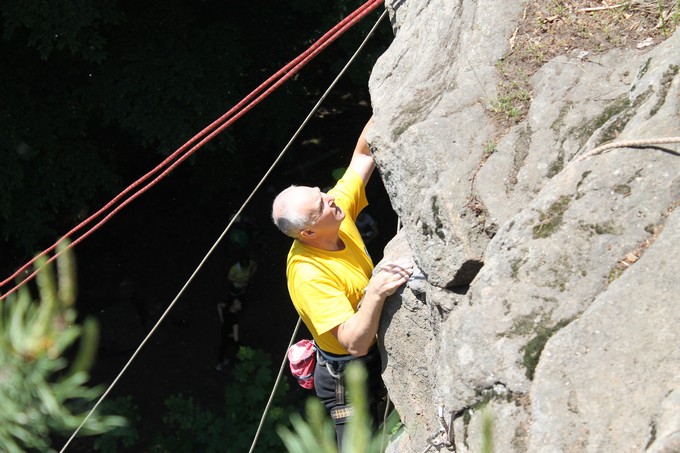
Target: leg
{"type": "Point", "coordinates": [325, 387]}
{"type": "Point", "coordinates": [375, 387]}
{"type": "Point", "coordinates": [224, 344]}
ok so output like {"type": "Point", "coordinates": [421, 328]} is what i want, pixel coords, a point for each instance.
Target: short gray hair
{"type": "Point", "coordinates": [286, 215]}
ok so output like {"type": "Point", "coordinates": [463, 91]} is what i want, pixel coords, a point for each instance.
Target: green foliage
{"type": "Point", "coordinates": [317, 434]}
{"type": "Point", "coordinates": [191, 427]}
{"type": "Point", "coordinates": [487, 431]}
{"type": "Point", "coordinates": [38, 395]}
{"type": "Point", "coordinates": [126, 435]}
{"type": "Point", "coordinates": [71, 25]}
{"type": "Point", "coordinates": [550, 220]}
{"type": "Point", "coordinates": [534, 348]}
{"type": "Point", "coordinates": [246, 396]}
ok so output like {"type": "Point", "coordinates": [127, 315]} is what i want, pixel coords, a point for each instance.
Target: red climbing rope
{"type": "Point", "coordinates": [199, 140]}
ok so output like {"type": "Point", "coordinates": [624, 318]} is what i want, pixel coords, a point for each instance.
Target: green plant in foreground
{"type": "Point", "coordinates": [317, 434]}
{"type": "Point", "coordinates": [487, 432]}
{"type": "Point", "coordinates": [189, 426]}
{"type": "Point", "coordinates": [39, 396]}
{"type": "Point", "coordinates": [128, 435]}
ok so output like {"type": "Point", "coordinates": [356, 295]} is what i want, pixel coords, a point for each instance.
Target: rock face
{"type": "Point", "coordinates": [550, 308]}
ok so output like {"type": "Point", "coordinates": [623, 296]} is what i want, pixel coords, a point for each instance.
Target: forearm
{"type": "Point", "coordinates": [357, 334]}
{"type": "Point", "coordinates": [362, 148]}
{"type": "Point", "coordinates": [362, 158]}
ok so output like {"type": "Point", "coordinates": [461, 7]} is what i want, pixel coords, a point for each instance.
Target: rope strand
{"type": "Point", "coordinates": [276, 384]}
{"type": "Point", "coordinates": [628, 144]}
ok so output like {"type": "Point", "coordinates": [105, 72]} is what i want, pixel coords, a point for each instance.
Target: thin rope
{"type": "Point", "coordinates": [219, 239]}
{"type": "Point", "coordinates": [276, 384]}
{"type": "Point", "coordinates": [328, 90]}
{"type": "Point", "coordinates": [384, 423]}
{"type": "Point", "coordinates": [205, 135]}
{"type": "Point", "coordinates": [387, 405]}
{"type": "Point", "coordinates": [628, 144]}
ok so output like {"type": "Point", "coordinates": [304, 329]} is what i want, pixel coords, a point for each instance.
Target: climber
{"type": "Point", "coordinates": [330, 283]}
{"type": "Point", "coordinates": [240, 277]}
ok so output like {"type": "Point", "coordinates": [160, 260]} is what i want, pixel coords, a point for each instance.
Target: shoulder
{"type": "Point", "coordinates": [350, 193]}
{"type": "Point", "coordinates": [306, 267]}
{"type": "Point", "coordinates": [349, 184]}
{"type": "Point", "coordinates": [305, 264]}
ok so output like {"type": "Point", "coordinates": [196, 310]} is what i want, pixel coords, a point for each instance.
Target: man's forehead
{"type": "Point", "coordinates": [304, 192]}
{"type": "Point", "coordinates": [304, 195]}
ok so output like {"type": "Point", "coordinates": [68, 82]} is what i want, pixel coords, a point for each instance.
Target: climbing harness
{"type": "Point", "coordinates": [335, 365]}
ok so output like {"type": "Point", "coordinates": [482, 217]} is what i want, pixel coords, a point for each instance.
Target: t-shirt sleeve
{"type": "Point", "coordinates": [325, 305]}
{"type": "Point", "coordinates": [350, 193]}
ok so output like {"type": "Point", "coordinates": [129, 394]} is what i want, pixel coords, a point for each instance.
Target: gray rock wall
{"type": "Point", "coordinates": [550, 305]}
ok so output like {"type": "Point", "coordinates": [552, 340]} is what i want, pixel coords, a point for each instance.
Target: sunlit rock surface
{"type": "Point", "coordinates": [551, 299]}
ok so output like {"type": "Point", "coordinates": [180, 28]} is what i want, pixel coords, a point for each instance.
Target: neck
{"type": "Point", "coordinates": [331, 243]}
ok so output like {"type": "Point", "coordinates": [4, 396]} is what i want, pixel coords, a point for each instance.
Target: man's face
{"type": "Point", "coordinates": [322, 211]}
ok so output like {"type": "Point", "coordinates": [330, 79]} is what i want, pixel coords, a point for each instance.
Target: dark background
{"type": "Point", "coordinates": [93, 97]}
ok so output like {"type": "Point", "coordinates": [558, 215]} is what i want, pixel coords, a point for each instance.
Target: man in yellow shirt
{"type": "Point", "coordinates": [330, 278]}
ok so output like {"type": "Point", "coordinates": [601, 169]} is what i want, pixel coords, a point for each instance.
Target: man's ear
{"type": "Point", "coordinates": [307, 233]}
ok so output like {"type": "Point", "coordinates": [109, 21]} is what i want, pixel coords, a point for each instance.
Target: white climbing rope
{"type": "Point", "coordinates": [641, 143]}
{"type": "Point", "coordinates": [276, 384]}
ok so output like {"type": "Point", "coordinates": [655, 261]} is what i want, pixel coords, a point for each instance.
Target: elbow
{"type": "Point", "coordinates": [354, 348]}
{"type": "Point", "coordinates": [355, 344]}
{"type": "Point", "coordinates": [358, 352]}
{"type": "Point", "coordinates": [357, 349]}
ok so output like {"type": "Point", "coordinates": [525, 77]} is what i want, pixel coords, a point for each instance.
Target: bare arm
{"type": "Point", "coordinates": [362, 159]}
{"type": "Point", "coordinates": [357, 334]}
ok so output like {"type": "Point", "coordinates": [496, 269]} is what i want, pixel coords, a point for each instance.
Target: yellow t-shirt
{"type": "Point", "coordinates": [240, 276]}
{"type": "Point", "coordinates": [327, 286]}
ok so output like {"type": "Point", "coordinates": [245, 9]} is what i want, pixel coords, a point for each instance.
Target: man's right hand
{"type": "Point", "coordinates": [357, 334]}
{"type": "Point", "coordinates": [390, 276]}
